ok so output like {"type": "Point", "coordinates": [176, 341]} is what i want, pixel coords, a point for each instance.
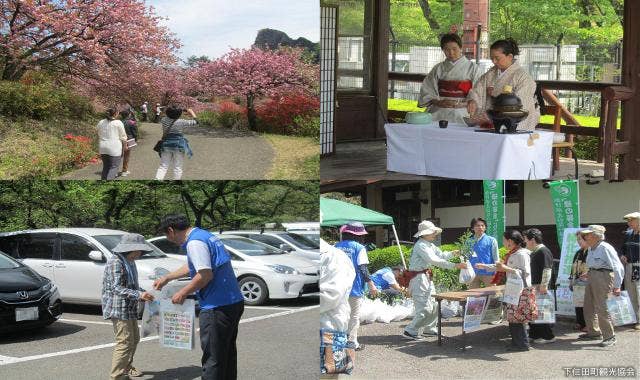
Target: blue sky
{"type": "Point", "coordinates": [211, 27]}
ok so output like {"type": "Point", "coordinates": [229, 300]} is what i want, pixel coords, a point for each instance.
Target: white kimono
{"type": "Point", "coordinates": [492, 83]}
{"type": "Point", "coordinates": [460, 70]}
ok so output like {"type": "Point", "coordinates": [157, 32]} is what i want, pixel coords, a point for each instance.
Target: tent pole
{"type": "Point", "coordinates": [395, 234]}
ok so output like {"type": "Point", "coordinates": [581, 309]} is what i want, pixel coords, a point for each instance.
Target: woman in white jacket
{"type": "Point", "coordinates": [113, 143]}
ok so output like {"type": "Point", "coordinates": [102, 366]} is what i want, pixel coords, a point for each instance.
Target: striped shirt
{"type": "Point", "coordinates": [120, 289]}
{"type": "Point", "coordinates": [176, 127]}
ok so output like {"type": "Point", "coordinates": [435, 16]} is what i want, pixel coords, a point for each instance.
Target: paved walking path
{"type": "Point", "coordinates": [217, 154]}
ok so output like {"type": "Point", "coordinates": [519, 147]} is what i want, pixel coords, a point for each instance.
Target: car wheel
{"type": "Point", "coordinates": [254, 291]}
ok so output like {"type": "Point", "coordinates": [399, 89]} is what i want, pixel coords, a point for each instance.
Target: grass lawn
{"type": "Point", "coordinates": [412, 106]}
{"type": "Point", "coordinates": [295, 157]}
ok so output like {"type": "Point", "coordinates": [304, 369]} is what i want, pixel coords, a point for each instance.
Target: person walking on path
{"type": "Point", "coordinates": [145, 111]}
{"type": "Point", "coordinates": [425, 255]}
{"type": "Point", "coordinates": [485, 250]}
{"type": "Point", "coordinates": [630, 258]}
{"type": "Point", "coordinates": [120, 295]}
{"type": "Point", "coordinates": [158, 112]}
{"type": "Point", "coordinates": [174, 145]}
{"type": "Point", "coordinates": [541, 267]}
{"type": "Point", "coordinates": [212, 279]}
{"type": "Point", "coordinates": [357, 253]}
{"type": "Point", "coordinates": [578, 278]}
{"type": "Point", "coordinates": [131, 129]}
{"type": "Point", "coordinates": [605, 276]}
{"type": "Point", "coordinates": [112, 143]}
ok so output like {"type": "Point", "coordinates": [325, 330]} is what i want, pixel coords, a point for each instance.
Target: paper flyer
{"type": "Point", "coordinates": [473, 313]}
{"type": "Point", "coordinates": [177, 324]}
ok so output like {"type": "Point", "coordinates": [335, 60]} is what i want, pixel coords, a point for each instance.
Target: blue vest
{"type": "Point", "coordinates": [351, 248]}
{"type": "Point", "coordinates": [380, 282]}
{"type": "Point", "coordinates": [482, 249]}
{"type": "Point", "coordinates": [223, 289]}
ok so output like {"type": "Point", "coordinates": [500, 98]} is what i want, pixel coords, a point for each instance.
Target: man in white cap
{"type": "Point", "coordinates": [360, 260]}
{"type": "Point", "coordinates": [630, 258]}
{"type": "Point", "coordinates": [604, 277]}
{"type": "Point", "coordinates": [425, 255]}
{"type": "Point", "coordinates": [120, 295]}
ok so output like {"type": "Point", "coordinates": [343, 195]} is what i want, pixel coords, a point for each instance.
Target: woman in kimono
{"type": "Point", "coordinates": [444, 90]}
{"type": "Point", "coordinates": [506, 72]}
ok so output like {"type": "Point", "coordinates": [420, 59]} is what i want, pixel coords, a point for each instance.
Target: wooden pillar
{"type": "Point", "coordinates": [380, 61]}
{"type": "Point", "coordinates": [630, 168]}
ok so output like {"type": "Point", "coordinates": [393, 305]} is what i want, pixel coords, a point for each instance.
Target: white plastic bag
{"type": "Point", "coordinates": [546, 308]}
{"type": "Point", "coordinates": [621, 309]}
{"type": "Point", "coordinates": [449, 309]}
{"type": "Point", "coordinates": [367, 311]}
{"type": "Point", "coordinates": [513, 289]}
{"type": "Point", "coordinates": [151, 316]}
{"type": "Point", "coordinates": [467, 274]}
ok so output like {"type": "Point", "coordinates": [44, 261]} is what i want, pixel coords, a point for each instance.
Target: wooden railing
{"type": "Point", "coordinates": [607, 133]}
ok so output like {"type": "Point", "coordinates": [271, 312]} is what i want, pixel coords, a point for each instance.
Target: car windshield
{"type": "Point", "coordinates": [110, 241]}
{"type": "Point", "coordinates": [6, 262]}
{"type": "Point", "coordinates": [250, 247]}
{"type": "Point", "coordinates": [300, 241]}
{"type": "Point", "coordinates": [314, 237]}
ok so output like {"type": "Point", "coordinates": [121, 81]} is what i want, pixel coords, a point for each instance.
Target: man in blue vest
{"type": "Point", "coordinates": [357, 253]}
{"type": "Point", "coordinates": [386, 280]}
{"type": "Point", "coordinates": [213, 280]}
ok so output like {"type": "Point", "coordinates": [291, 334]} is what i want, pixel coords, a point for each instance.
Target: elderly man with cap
{"type": "Point", "coordinates": [604, 277]}
{"type": "Point", "coordinates": [631, 260]}
{"type": "Point", "coordinates": [354, 249]}
{"type": "Point", "coordinates": [120, 295]}
{"type": "Point", "coordinates": [425, 255]}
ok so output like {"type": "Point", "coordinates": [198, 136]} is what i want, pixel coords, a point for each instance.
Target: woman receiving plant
{"type": "Point", "coordinates": [425, 255]}
{"type": "Point", "coordinates": [444, 90]}
{"type": "Point", "coordinates": [517, 268]}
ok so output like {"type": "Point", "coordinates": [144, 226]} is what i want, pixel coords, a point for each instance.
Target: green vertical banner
{"type": "Point", "coordinates": [566, 206]}
{"type": "Point", "coordinates": [494, 208]}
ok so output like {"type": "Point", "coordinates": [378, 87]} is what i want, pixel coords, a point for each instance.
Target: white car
{"type": "Point", "coordinates": [287, 241]}
{"type": "Point", "coordinates": [74, 259]}
{"type": "Point", "coordinates": [263, 272]}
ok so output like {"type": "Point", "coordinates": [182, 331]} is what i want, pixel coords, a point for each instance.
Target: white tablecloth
{"type": "Point", "coordinates": [459, 152]}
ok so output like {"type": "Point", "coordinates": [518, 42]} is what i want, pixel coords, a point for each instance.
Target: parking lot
{"type": "Point", "coordinates": [277, 341]}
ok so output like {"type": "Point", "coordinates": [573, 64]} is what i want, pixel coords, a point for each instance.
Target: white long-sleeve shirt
{"type": "Point", "coordinates": [111, 134]}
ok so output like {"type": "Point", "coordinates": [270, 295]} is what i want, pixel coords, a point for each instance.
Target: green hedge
{"type": "Point", "coordinates": [42, 101]}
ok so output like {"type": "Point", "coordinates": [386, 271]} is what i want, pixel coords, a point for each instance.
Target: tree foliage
{"type": "Point", "coordinates": [137, 206]}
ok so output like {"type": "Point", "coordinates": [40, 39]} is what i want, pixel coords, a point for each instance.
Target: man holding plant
{"type": "Point", "coordinates": [425, 255]}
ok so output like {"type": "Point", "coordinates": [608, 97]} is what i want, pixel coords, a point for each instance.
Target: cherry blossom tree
{"type": "Point", "coordinates": [88, 39]}
{"type": "Point", "coordinates": [254, 73]}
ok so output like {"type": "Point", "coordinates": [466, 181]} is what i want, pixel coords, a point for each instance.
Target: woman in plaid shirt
{"type": "Point", "coordinates": [120, 295]}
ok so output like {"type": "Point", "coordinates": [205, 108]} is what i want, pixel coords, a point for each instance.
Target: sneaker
{"type": "Point", "coordinates": [133, 372]}
{"type": "Point", "coordinates": [586, 336]}
{"type": "Point", "coordinates": [637, 326]}
{"type": "Point", "coordinates": [411, 336]}
{"type": "Point", "coordinates": [608, 342]}
{"type": "Point", "coordinates": [511, 348]}
{"type": "Point", "coordinates": [360, 347]}
{"type": "Point", "coordinates": [544, 341]}
{"type": "Point", "coordinates": [124, 174]}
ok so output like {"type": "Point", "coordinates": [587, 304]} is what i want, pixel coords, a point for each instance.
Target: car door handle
{"type": "Point", "coordinates": [47, 265]}
{"type": "Point", "coordinates": [60, 266]}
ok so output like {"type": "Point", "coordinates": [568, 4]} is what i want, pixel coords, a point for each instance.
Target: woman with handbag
{"type": "Point", "coordinates": [174, 146]}
{"type": "Point", "coordinates": [112, 143]}
{"type": "Point", "coordinates": [516, 270]}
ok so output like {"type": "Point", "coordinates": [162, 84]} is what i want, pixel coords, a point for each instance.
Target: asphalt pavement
{"type": "Point", "coordinates": [218, 153]}
{"type": "Point", "coordinates": [387, 355]}
{"type": "Point", "coordinates": [276, 341]}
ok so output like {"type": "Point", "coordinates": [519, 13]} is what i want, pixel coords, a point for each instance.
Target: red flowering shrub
{"type": "Point", "coordinates": [229, 113]}
{"type": "Point", "coordinates": [277, 115]}
{"type": "Point", "coordinates": [80, 150]}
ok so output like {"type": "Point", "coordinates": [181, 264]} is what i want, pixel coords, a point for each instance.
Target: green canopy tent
{"type": "Point", "coordinates": [335, 213]}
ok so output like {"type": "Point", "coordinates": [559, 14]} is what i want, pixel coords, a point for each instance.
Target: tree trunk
{"type": "Point", "coordinates": [251, 114]}
{"type": "Point", "coordinates": [428, 14]}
